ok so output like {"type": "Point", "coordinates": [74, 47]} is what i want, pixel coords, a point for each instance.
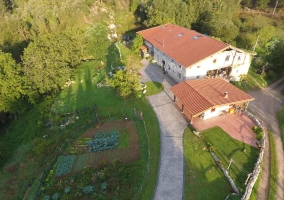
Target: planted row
{"type": "Point", "coordinates": [103, 141]}
{"type": "Point", "coordinates": [65, 165]}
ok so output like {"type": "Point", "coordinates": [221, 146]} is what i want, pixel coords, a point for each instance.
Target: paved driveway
{"type": "Point", "coordinates": [172, 125]}
{"type": "Point", "coordinates": [267, 103]}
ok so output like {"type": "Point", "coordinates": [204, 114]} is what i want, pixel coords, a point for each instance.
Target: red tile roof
{"type": "Point", "coordinates": [185, 46]}
{"type": "Point", "coordinates": [203, 94]}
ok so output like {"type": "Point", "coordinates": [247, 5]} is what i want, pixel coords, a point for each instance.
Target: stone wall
{"type": "Point", "coordinates": [257, 167]}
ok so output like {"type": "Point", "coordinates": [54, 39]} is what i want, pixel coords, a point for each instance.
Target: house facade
{"type": "Point", "coordinates": [207, 98]}
{"type": "Point", "coordinates": [188, 55]}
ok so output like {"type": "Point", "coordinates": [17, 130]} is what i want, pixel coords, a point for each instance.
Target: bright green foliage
{"type": "Point", "coordinates": [275, 57]}
{"type": "Point", "coordinates": [88, 189]}
{"type": "Point", "coordinates": [262, 4]}
{"type": "Point", "coordinates": [258, 131]}
{"type": "Point", "coordinates": [137, 43]}
{"type": "Point", "coordinates": [103, 141]}
{"type": "Point", "coordinates": [65, 165]}
{"type": "Point", "coordinates": [11, 84]}
{"type": "Point", "coordinates": [49, 61]}
{"type": "Point", "coordinates": [126, 83]}
{"type": "Point", "coordinates": [97, 41]}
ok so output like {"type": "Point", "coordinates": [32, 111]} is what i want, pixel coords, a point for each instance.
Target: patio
{"type": "Point", "coordinates": [238, 126]}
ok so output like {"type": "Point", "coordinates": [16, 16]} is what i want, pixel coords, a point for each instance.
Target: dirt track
{"type": "Point", "coordinates": [267, 103]}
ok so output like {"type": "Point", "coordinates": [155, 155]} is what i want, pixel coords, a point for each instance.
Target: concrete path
{"type": "Point", "coordinates": [265, 106]}
{"type": "Point", "coordinates": [172, 125]}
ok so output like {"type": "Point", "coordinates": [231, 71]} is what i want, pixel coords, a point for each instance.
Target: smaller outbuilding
{"type": "Point", "coordinates": [206, 98]}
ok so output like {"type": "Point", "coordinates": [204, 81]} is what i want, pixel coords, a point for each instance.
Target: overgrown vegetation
{"type": "Point", "coordinates": [280, 116]}
{"type": "Point", "coordinates": [202, 171]}
{"type": "Point", "coordinates": [273, 167]}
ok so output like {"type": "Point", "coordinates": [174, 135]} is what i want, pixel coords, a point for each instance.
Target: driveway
{"type": "Point", "coordinates": [265, 106]}
{"type": "Point", "coordinates": [172, 125]}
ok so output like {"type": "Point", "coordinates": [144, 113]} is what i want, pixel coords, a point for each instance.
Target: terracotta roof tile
{"type": "Point", "coordinates": [181, 44]}
{"type": "Point", "coordinates": [203, 94]}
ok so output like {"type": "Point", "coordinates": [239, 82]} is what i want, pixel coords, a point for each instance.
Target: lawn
{"type": "Point", "coordinates": [153, 87]}
{"type": "Point", "coordinates": [273, 167]}
{"type": "Point", "coordinates": [204, 180]}
{"type": "Point", "coordinates": [34, 141]}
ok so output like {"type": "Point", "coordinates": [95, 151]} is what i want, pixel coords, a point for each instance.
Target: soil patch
{"type": "Point", "coordinates": [125, 155]}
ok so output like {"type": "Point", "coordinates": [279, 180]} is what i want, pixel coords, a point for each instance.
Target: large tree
{"type": "Point", "coordinates": [275, 56]}
{"type": "Point", "coordinates": [97, 41]}
{"type": "Point", "coordinates": [48, 61]}
{"type": "Point", "coordinates": [11, 87]}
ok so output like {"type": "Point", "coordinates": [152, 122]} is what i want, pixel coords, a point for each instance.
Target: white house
{"type": "Point", "coordinates": [187, 54]}
{"type": "Point", "coordinates": [206, 98]}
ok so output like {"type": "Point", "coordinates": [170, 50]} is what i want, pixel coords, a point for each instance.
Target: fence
{"type": "Point", "coordinates": [257, 167]}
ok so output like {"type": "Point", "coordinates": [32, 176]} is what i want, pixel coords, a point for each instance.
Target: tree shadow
{"type": "Point", "coordinates": [16, 49]}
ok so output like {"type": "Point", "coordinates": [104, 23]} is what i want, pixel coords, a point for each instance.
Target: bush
{"type": "Point", "coordinates": [258, 131]}
{"type": "Point", "coordinates": [65, 165]}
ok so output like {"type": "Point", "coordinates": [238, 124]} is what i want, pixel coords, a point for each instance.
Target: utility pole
{"type": "Point", "coordinates": [275, 7]}
{"type": "Point", "coordinates": [255, 43]}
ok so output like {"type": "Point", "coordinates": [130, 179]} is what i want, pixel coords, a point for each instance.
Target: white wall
{"type": "Point", "coordinates": [208, 114]}
{"type": "Point", "coordinates": [174, 69]}
{"type": "Point", "coordinates": [239, 60]}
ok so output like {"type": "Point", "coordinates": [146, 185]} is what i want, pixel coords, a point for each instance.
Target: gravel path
{"type": "Point", "coordinates": [267, 103]}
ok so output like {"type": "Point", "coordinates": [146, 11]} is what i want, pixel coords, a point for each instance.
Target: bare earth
{"type": "Point", "coordinates": [267, 103]}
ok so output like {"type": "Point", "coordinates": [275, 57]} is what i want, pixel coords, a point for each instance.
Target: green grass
{"type": "Point", "coordinates": [17, 144]}
{"type": "Point", "coordinates": [123, 139]}
{"type": "Point", "coordinates": [280, 116]}
{"type": "Point", "coordinates": [204, 180]}
{"type": "Point", "coordinates": [253, 195]}
{"type": "Point", "coordinates": [273, 167]}
{"type": "Point", "coordinates": [153, 88]}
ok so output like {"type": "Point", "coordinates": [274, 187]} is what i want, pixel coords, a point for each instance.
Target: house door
{"type": "Point", "coordinates": [163, 64]}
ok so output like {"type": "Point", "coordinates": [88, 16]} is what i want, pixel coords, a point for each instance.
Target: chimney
{"type": "Point", "coordinates": [226, 94]}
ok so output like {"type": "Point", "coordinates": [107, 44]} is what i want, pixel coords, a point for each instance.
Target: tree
{"type": "Point", "coordinates": [10, 83]}
{"type": "Point", "coordinates": [137, 43]}
{"type": "Point", "coordinates": [48, 61]}
{"type": "Point", "coordinates": [262, 4]}
{"type": "Point", "coordinates": [125, 83]}
{"type": "Point", "coordinates": [275, 56]}
{"type": "Point", "coordinates": [97, 41]}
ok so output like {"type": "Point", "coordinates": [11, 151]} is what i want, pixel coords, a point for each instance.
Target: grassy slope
{"type": "Point", "coordinates": [83, 93]}
{"type": "Point", "coordinates": [201, 171]}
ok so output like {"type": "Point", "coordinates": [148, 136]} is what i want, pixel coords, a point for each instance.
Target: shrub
{"type": "Point", "coordinates": [258, 131]}
{"type": "Point", "coordinates": [88, 189]}
{"type": "Point", "coordinates": [104, 186]}
{"type": "Point", "coordinates": [65, 165]}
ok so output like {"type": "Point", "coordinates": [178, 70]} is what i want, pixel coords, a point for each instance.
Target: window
{"type": "Point", "coordinates": [227, 58]}
{"type": "Point", "coordinates": [213, 109]}
{"type": "Point", "coordinates": [169, 67]}
{"type": "Point", "coordinates": [197, 77]}
{"type": "Point", "coordinates": [239, 58]}
{"type": "Point", "coordinates": [180, 66]}
{"type": "Point", "coordinates": [198, 66]}
{"type": "Point", "coordinates": [215, 60]}
{"type": "Point", "coordinates": [179, 75]}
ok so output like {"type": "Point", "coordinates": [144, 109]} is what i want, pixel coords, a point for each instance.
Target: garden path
{"type": "Point", "coordinates": [267, 103]}
{"type": "Point", "coordinates": [172, 125]}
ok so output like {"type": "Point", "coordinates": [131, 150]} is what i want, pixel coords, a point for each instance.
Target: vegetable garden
{"type": "Point", "coordinates": [103, 165]}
